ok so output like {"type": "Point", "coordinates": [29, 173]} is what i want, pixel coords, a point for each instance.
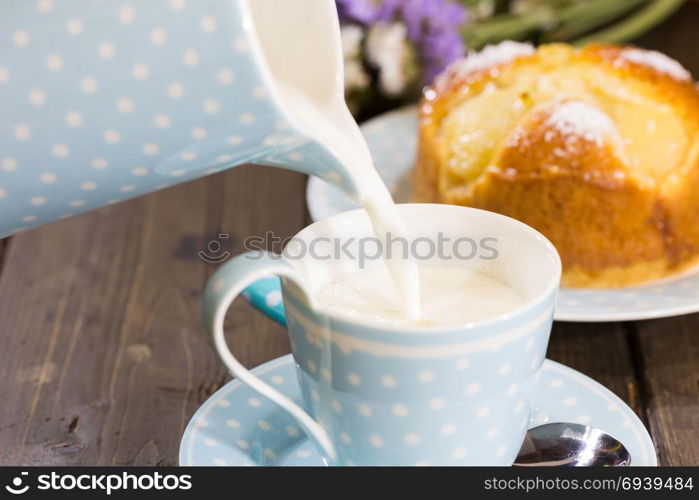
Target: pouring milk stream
{"type": "Point", "coordinates": [344, 139]}
{"type": "Point", "coordinates": [321, 111]}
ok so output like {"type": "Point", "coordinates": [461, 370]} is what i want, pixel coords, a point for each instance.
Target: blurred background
{"type": "Point", "coordinates": [393, 47]}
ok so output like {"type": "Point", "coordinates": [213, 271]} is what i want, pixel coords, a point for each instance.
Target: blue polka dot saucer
{"type": "Point", "coordinates": [236, 426]}
{"type": "Point", "coordinates": [392, 139]}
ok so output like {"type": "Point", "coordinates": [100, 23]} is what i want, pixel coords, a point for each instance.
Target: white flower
{"type": "Point", "coordinates": [355, 76]}
{"type": "Point", "coordinates": [388, 49]}
{"type": "Point", "coordinates": [351, 36]}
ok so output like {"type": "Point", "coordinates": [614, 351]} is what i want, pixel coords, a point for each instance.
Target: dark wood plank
{"type": "Point", "coordinates": [101, 357]}
{"type": "Point", "coordinates": [3, 246]}
{"type": "Point", "coordinates": [669, 354]}
{"type": "Point", "coordinates": [600, 351]}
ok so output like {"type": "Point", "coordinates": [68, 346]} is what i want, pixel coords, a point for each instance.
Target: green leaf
{"type": "Point", "coordinates": [584, 17]}
{"type": "Point", "coordinates": [634, 26]}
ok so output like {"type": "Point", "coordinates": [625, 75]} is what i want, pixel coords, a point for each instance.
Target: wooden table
{"type": "Point", "coordinates": [102, 360]}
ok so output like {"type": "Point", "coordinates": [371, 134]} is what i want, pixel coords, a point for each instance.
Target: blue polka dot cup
{"type": "Point", "coordinates": [104, 101]}
{"type": "Point", "coordinates": [381, 394]}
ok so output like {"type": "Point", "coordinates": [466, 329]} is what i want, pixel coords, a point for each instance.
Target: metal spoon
{"type": "Point", "coordinates": [571, 445]}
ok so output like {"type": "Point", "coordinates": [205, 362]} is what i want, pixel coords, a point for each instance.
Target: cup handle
{"type": "Point", "coordinates": [223, 287]}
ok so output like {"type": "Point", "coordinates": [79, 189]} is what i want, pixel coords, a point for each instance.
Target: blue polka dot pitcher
{"type": "Point", "coordinates": [104, 101]}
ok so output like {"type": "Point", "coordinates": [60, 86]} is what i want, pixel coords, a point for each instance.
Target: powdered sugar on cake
{"type": "Point", "coordinates": [658, 61]}
{"type": "Point", "coordinates": [577, 119]}
{"type": "Point", "coordinates": [489, 57]}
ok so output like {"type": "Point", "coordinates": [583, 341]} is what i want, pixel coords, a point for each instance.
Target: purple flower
{"type": "Point", "coordinates": [390, 10]}
{"type": "Point", "coordinates": [360, 11]}
{"type": "Point", "coordinates": [433, 26]}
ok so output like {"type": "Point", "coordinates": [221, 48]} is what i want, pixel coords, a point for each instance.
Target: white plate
{"type": "Point", "coordinates": [392, 138]}
{"type": "Point", "coordinates": [225, 430]}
